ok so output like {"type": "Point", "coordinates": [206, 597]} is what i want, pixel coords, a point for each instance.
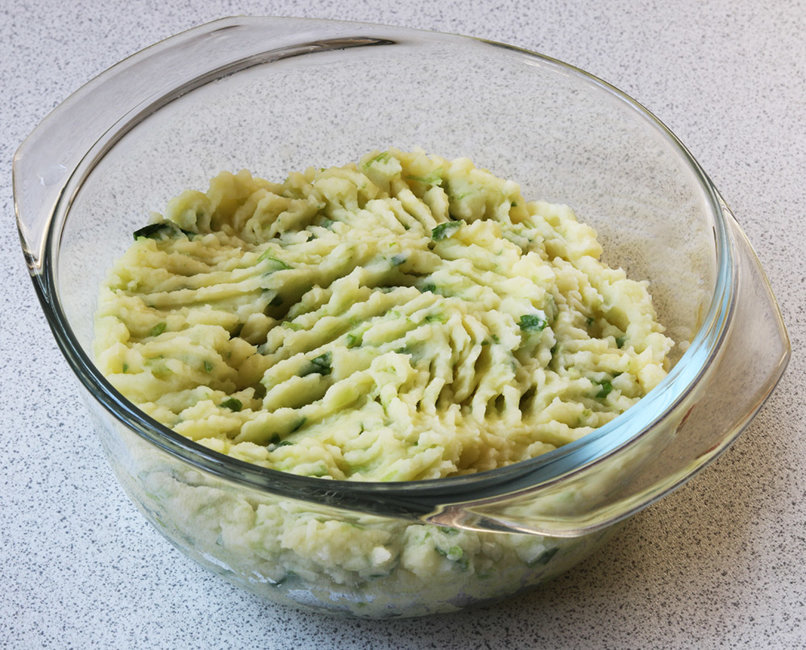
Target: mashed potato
{"type": "Point", "coordinates": [405, 318]}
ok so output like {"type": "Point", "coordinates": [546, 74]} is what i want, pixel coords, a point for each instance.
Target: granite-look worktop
{"type": "Point", "coordinates": [719, 563]}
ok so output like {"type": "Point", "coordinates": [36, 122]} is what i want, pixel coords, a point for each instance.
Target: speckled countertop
{"type": "Point", "coordinates": [719, 563]}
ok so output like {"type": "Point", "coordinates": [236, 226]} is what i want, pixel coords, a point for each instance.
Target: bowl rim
{"type": "Point", "coordinates": [412, 499]}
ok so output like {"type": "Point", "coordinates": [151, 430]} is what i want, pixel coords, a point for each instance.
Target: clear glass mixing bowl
{"type": "Point", "coordinates": [275, 95]}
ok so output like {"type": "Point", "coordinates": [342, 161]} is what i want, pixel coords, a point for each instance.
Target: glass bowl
{"type": "Point", "coordinates": [276, 95]}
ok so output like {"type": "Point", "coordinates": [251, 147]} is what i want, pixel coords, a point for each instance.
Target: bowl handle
{"type": "Point", "coordinates": [751, 359]}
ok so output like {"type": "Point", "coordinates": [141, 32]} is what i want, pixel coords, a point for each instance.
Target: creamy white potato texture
{"type": "Point", "coordinates": [407, 317]}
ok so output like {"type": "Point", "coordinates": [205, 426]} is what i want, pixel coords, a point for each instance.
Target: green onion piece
{"type": "Point", "coordinates": [605, 389]}
{"type": "Point", "coordinates": [445, 230]}
{"type": "Point", "coordinates": [232, 403]}
{"type": "Point", "coordinates": [532, 323]}
{"type": "Point", "coordinates": [158, 329]}
{"type": "Point", "coordinates": [454, 554]}
{"type": "Point", "coordinates": [274, 263]}
{"type": "Point", "coordinates": [433, 178]}
{"type": "Point", "coordinates": [381, 157]}
{"type": "Point", "coordinates": [160, 230]}
{"type": "Point", "coordinates": [544, 557]}
{"type": "Point", "coordinates": [319, 365]}
{"type": "Point", "coordinates": [152, 230]}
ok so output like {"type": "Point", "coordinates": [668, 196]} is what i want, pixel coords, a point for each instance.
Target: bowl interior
{"type": "Point", "coordinates": [563, 136]}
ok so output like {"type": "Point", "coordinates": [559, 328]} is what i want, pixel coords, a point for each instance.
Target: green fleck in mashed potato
{"type": "Point", "coordinates": [404, 318]}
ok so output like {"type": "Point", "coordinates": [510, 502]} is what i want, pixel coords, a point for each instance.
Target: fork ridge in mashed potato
{"type": "Point", "coordinates": [407, 317]}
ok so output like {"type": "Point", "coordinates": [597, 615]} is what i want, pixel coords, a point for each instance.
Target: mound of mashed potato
{"type": "Point", "coordinates": [403, 318]}
{"type": "Point", "coordinates": [407, 317]}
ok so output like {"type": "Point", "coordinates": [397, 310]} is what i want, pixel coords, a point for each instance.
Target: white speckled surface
{"type": "Point", "coordinates": [720, 563]}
